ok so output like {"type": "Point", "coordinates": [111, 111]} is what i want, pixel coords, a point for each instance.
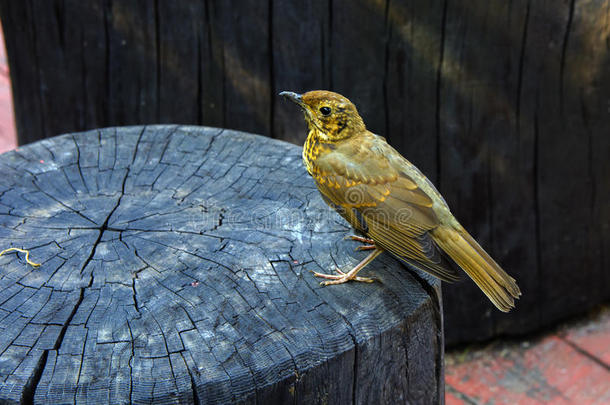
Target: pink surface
{"type": "Point", "coordinates": [567, 366]}
{"type": "Point", "coordinates": [592, 338]}
{"type": "Point", "coordinates": [8, 134]}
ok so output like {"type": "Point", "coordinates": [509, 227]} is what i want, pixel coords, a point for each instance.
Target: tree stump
{"type": "Point", "coordinates": [175, 268]}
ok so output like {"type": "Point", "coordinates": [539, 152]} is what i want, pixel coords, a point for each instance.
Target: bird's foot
{"type": "Point", "coordinates": [351, 275]}
{"type": "Point", "coordinates": [342, 278]}
{"type": "Point", "coordinates": [370, 243]}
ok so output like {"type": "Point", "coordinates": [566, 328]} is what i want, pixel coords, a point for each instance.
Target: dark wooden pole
{"type": "Point", "coordinates": [175, 268]}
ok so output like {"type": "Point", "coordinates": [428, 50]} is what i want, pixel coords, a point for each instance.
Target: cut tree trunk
{"type": "Point", "coordinates": [176, 268]}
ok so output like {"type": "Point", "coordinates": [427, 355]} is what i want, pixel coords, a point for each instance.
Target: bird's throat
{"type": "Point", "coordinates": [314, 147]}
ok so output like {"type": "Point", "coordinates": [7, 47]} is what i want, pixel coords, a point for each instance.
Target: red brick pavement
{"type": "Point", "coordinates": [568, 366]}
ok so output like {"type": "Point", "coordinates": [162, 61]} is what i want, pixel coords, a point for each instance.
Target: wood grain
{"type": "Point", "coordinates": [176, 269]}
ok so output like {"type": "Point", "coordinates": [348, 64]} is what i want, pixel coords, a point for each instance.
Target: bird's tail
{"type": "Point", "coordinates": [499, 287]}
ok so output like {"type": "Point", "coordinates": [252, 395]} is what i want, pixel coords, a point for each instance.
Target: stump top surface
{"type": "Point", "coordinates": [176, 267]}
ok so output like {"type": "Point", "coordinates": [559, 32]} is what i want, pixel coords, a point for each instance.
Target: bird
{"type": "Point", "coordinates": [386, 198]}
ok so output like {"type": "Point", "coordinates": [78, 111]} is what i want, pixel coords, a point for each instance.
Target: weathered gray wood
{"type": "Point", "coordinates": [504, 105]}
{"type": "Point", "coordinates": [176, 269]}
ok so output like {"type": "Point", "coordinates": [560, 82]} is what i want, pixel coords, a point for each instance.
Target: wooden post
{"type": "Point", "coordinates": [175, 268]}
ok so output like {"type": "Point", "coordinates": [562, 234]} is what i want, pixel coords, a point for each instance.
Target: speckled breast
{"type": "Point", "coordinates": [311, 150]}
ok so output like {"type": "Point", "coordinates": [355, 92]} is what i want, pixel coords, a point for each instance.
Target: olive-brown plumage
{"type": "Point", "coordinates": [382, 195]}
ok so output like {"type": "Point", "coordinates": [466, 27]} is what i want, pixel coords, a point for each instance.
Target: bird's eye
{"type": "Point", "coordinates": [325, 110]}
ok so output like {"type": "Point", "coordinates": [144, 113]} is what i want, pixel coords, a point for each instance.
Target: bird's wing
{"type": "Point", "coordinates": [380, 199]}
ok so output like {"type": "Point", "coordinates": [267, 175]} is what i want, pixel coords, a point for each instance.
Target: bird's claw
{"type": "Point", "coordinates": [365, 247]}
{"type": "Point", "coordinates": [341, 278]}
{"type": "Point", "coordinates": [356, 238]}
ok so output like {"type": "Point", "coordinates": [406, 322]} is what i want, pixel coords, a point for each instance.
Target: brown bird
{"type": "Point", "coordinates": [385, 197]}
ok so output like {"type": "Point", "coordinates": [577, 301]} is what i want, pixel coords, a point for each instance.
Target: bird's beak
{"type": "Point", "coordinates": [294, 97]}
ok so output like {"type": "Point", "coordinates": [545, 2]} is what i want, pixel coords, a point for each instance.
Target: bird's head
{"type": "Point", "coordinates": [332, 115]}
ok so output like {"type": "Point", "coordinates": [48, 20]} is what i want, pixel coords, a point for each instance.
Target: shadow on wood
{"type": "Point", "coordinates": [176, 268]}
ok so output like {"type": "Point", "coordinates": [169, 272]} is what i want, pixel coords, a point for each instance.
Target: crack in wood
{"type": "Point", "coordinates": [152, 299]}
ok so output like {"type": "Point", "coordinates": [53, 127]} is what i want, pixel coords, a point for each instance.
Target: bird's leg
{"type": "Point", "coordinates": [370, 243]}
{"type": "Point", "coordinates": [351, 275]}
